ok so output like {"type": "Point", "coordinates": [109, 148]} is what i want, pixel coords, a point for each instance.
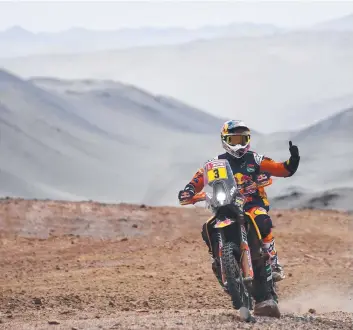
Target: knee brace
{"type": "Point", "coordinates": [264, 223]}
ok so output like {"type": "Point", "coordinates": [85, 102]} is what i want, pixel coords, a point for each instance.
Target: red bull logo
{"type": "Point", "coordinates": [246, 184]}
{"type": "Point", "coordinates": [242, 178]}
{"type": "Point", "coordinates": [225, 129]}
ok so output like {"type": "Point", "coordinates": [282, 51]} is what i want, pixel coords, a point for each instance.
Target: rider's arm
{"type": "Point", "coordinates": [285, 169]}
{"type": "Point", "coordinates": [197, 180]}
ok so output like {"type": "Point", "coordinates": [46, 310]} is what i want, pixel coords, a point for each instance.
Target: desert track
{"type": "Point", "coordinates": [96, 266]}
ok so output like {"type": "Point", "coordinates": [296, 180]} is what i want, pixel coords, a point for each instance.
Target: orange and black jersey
{"type": "Point", "coordinates": [247, 170]}
{"type": "Point", "coordinates": [263, 180]}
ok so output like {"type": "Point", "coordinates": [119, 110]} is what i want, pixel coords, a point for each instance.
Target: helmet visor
{"type": "Point", "coordinates": [237, 139]}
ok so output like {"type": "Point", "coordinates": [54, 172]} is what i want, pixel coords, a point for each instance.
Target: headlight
{"type": "Point", "coordinates": [221, 197]}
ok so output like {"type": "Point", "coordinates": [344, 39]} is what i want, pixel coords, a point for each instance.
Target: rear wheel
{"type": "Point", "coordinates": [235, 285]}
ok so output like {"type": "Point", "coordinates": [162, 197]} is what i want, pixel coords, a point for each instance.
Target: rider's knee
{"type": "Point", "coordinates": [265, 225]}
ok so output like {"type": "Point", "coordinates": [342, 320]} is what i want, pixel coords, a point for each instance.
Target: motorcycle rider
{"type": "Point", "coordinates": [247, 166]}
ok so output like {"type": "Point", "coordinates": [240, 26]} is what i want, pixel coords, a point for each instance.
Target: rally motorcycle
{"type": "Point", "coordinates": [227, 232]}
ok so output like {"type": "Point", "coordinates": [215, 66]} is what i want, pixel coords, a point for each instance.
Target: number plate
{"type": "Point", "coordinates": [217, 174]}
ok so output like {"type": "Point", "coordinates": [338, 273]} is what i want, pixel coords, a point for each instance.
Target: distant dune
{"type": "Point", "coordinates": [94, 140]}
{"type": "Point", "coordinates": [111, 142]}
{"type": "Point", "coordinates": [279, 82]}
{"type": "Point", "coordinates": [344, 23]}
{"type": "Point", "coordinates": [17, 41]}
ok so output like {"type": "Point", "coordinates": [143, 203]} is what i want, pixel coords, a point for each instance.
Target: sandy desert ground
{"type": "Point", "coordinates": [67, 265]}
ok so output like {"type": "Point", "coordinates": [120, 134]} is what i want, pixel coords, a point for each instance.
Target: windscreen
{"type": "Point", "coordinates": [220, 185]}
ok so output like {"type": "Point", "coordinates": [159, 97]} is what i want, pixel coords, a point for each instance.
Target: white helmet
{"type": "Point", "coordinates": [235, 137]}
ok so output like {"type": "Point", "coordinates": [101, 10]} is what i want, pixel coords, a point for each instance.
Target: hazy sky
{"type": "Point", "coordinates": [60, 15]}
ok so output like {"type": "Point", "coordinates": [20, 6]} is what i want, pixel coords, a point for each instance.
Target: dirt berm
{"type": "Point", "coordinates": [86, 265]}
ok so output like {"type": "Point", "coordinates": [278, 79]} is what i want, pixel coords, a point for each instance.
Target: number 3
{"type": "Point", "coordinates": [216, 173]}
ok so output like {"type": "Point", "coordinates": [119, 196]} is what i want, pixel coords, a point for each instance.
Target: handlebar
{"type": "Point", "coordinates": [195, 199]}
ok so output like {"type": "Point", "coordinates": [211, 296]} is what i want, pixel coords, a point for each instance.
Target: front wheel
{"type": "Point", "coordinates": [234, 280]}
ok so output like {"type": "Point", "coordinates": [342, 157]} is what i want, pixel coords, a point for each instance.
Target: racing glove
{"type": "Point", "coordinates": [187, 193]}
{"type": "Point", "coordinates": [293, 162]}
{"type": "Point", "coordinates": [294, 151]}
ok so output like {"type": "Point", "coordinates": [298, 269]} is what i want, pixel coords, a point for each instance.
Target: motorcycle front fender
{"type": "Point", "coordinates": [223, 223]}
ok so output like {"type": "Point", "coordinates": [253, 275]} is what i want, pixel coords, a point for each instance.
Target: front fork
{"type": "Point", "coordinates": [246, 261]}
{"type": "Point", "coordinates": [220, 248]}
{"type": "Point", "coordinates": [245, 258]}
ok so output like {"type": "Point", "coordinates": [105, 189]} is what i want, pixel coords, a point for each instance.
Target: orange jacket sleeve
{"type": "Point", "coordinates": [275, 168]}
{"type": "Point", "coordinates": [197, 180]}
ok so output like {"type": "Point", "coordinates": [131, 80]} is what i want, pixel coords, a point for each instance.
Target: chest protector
{"type": "Point", "coordinates": [246, 171]}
